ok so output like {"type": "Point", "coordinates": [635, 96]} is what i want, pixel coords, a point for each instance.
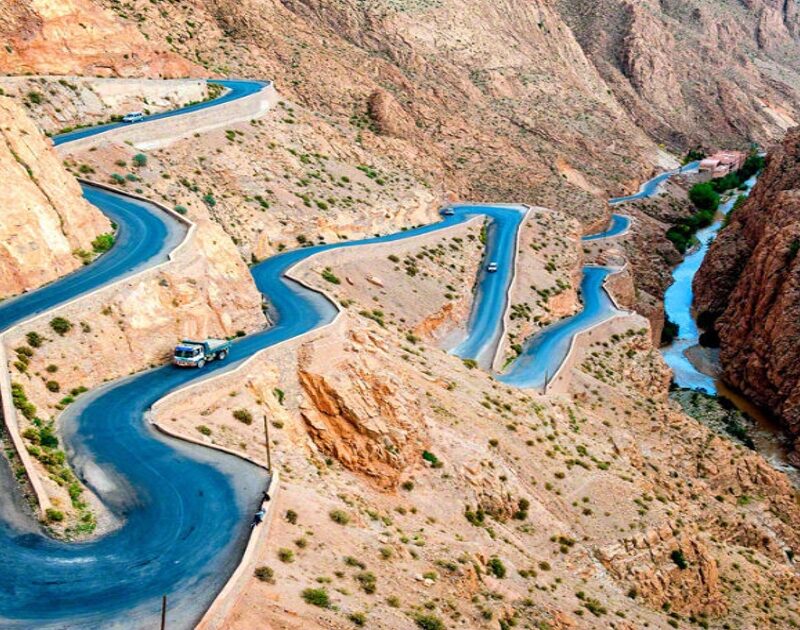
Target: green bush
{"type": "Point", "coordinates": [331, 277]}
{"type": "Point", "coordinates": [794, 247]}
{"type": "Point", "coordinates": [668, 332]}
{"type": "Point", "coordinates": [679, 559]}
{"type": "Point", "coordinates": [103, 243]}
{"type": "Point", "coordinates": [34, 339]}
{"type": "Point", "coordinates": [54, 516]}
{"type": "Point", "coordinates": [60, 325]}
{"type": "Point", "coordinates": [35, 97]}
{"type": "Point", "coordinates": [53, 386]}
{"type": "Point", "coordinates": [21, 402]}
{"type": "Point", "coordinates": [496, 567]}
{"type": "Point", "coordinates": [429, 622]}
{"type": "Point", "coordinates": [243, 416]}
{"type": "Point", "coordinates": [316, 597]}
{"type": "Point", "coordinates": [265, 574]}
{"type": "Point", "coordinates": [203, 429]}
{"type": "Point", "coordinates": [339, 516]}
{"type": "Point", "coordinates": [285, 555]}
{"type": "Point", "coordinates": [140, 159]}
{"type": "Point", "coordinates": [368, 582]}
{"type": "Point", "coordinates": [704, 196]}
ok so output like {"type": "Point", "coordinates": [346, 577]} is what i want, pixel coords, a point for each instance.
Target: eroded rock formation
{"type": "Point", "coordinates": [358, 412]}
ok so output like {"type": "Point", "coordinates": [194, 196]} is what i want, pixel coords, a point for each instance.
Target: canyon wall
{"type": "Point", "coordinates": [749, 288]}
{"type": "Point", "coordinates": [79, 37]}
{"type": "Point", "coordinates": [45, 218]}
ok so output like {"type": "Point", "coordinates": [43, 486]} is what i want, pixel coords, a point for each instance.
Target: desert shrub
{"type": "Point", "coordinates": [180, 209]}
{"type": "Point", "coordinates": [339, 516]}
{"type": "Point", "coordinates": [316, 597]}
{"type": "Point", "coordinates": [21, 402]}
{"type": "Point", "coordinates": [140, 159]}
{"type": "Point", "coordinates": [243, 415]}
{"type": "Point", "coordinates": [285, 555]}
{"type": "Point", "coordinates": [265, 574]}
{"type": "Point", "coordinates": [358, 618]}
{"type": "Point", "coordinates": [291, 516]}
{"type": "Point", "coordinates": [679, 559]}
{"type": "Point", "coordinates": [53, 386]}
{"type": "Point", "coordinates": [53, 515]}
{"type": "Point", "coordinates": [368, 581]}
{"type": "Point", "coordinates": [496, 567]}
{"type": "Point", "coordinates": [331, 277]}
{"type": "Point", "coordinates": [61, 325]}
{"type": "Point", "coordinates": [429, 622]}
{"type": "Point", "coordinates": [203, 429]}
{"type": "Point", "coordinates": [34, 339]}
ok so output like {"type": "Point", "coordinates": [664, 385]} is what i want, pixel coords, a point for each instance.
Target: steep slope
{"type": "Point", "coordinates": [77, 37]}
{"type": "Point", "coordinates": [749, 288]}
{"type": "Point", "coordinates": [491, 101]}
{"type": "Point", "coordinates": [45, 220]}
{"type": "Point", "coordinates": [695, 72]}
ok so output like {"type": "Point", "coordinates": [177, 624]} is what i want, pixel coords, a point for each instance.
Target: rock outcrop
{"type": "Point", "coordinates": [79, 37]}
{"type": "Point", "coordinates": [748, 288]}
{"type": "Point", "coordinates": [358, 413]}
{"type": "Point", "coordinates": [45, 218]}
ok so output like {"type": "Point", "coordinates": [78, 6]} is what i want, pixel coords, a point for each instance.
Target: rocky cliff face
{"type": "Point", "coordinates": [749, 288]}
{"type": "Point", "coordinates": [45, 219]}
{"type": "Point", "coordinates": [79, 37]}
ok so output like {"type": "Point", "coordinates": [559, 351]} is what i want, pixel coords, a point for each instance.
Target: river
{"type": "Point", "coordinates": [695, 367]}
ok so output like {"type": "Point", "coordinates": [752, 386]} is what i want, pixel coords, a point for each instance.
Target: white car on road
{"type": "Point", "coordinates": [133, 117]}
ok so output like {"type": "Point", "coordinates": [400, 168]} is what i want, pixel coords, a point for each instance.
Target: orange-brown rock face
{"type": "Point", "coordinates": [44, 218]}
{"type": "Point", "coordinates": [78, 37]}
{"type": "Point", "coordinates": [359, 413]}
{"type": "Point", "coordinates": [749, 285]}
{"type": "Point", "coordinates": [685, 70]}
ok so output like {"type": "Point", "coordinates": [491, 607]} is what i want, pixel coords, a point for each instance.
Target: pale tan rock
{"type": "Point", "coordinates": [45, 219]}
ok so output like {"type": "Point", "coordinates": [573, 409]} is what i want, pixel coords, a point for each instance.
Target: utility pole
{"type": "Point", "coordinates": [163, 612]}
{"type": "Point", "coordinates": [266, 439]}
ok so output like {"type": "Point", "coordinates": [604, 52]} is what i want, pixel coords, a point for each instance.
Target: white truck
{"type": "Point", "coordinates": [196, 354]}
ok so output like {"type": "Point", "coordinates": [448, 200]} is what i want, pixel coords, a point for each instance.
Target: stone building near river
{"type": "Point", "coordinates": [722, 163]}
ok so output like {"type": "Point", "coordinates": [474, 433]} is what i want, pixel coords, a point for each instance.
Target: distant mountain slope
{"type": "Point", "coordinates": [694, 72]}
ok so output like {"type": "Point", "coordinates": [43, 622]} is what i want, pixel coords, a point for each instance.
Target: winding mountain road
{"type": "Point", "coordinates": [185, 510]}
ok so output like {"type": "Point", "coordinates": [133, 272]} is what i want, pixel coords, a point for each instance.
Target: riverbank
{"type": "Point", "coordinates": [696, 368]}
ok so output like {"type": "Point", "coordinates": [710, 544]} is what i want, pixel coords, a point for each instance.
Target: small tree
{"type": "Point", "coordinates": [140, 159]}
{"type": "Point", "coordinates": [704, 197]}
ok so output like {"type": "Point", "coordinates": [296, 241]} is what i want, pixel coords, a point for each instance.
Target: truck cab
{"type": "Point", "coordinates": [190, 353]}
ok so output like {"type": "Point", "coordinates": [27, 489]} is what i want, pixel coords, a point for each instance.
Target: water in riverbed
{"type": "Point", "coordinates": [695, 367]}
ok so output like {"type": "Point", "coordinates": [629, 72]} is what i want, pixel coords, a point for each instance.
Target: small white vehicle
{"type": "Point", "coordinates": [491, 267]}
{"type": "Point", "coordinates": [448, 212]}
{"type": "Point", "coordinates": [133, 117]}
